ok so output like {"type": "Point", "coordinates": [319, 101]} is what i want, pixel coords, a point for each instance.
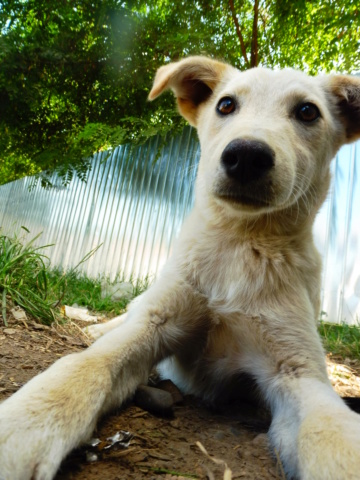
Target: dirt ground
{"type": "Point", "coordinates": [161, 448]}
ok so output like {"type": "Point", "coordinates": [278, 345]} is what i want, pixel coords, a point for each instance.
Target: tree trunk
{"type": "Point", "coordinates": [254, 37]}
{"type": "Point", "coordinates": [238, 32]}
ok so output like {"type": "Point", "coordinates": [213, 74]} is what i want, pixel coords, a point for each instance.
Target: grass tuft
{"type": "Point", "coordinates": [28, 280]}
{"type": "Point", "coordinates": [341, 339]}
{"type": "Point", "coordinates": [76, 287]}
{"type": "Point", "coordinates": [23, 277]}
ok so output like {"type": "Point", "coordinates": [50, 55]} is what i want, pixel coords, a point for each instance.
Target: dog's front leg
{"type": "Point", "coordinates": [316, 436]}
{"type": "Point", "coordinates": [58, 409]}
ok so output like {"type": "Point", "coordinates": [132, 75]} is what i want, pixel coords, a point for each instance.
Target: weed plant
{"type": "Point", "coordinates": [23, 277]}
{"type": "Point", "coordinates": [341, 339]}
{"type": "Point", "coordinates": [27, 279]}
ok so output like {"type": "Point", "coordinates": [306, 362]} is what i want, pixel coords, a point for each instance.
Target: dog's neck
{"type": "Point", "coordinates": [294, 221]}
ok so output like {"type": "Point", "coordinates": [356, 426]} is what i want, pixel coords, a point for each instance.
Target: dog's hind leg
{"type": "Point", "coordinates": [97, 330]}
{"type": "Point", "coordinates": [58, 409]}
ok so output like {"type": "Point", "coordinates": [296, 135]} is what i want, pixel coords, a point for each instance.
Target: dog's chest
{"type": "Point", "coordinates": [237, 277]}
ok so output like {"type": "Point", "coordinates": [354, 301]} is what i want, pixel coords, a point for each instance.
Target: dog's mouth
{"type": "Point", "coordinates": [254, 196]}
{"type": "Point", "coordinates": [253, 199]}
{"type": "Point", "coordinates": [244, 200]}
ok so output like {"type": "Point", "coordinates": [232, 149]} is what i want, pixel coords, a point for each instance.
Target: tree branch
{"type": "Point", "coordinates": [238, 32]}
{"type": "Point", "coordinates": [254, 40]}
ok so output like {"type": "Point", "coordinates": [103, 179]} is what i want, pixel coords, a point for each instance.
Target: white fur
{"type": "Point", "coordinates": [239, 295]}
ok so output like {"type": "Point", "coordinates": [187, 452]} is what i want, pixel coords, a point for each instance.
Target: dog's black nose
{"type": "Point", "coordinates": [247, 160]}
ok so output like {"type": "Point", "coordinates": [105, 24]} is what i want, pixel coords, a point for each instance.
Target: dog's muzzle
{"type": "Point", "coordinates": [246, 177]}
{"type": "Point", "coordinates": [247, 161]}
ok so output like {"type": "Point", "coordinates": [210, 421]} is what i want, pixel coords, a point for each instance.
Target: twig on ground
{"type": "Point", "coordinates": [218, 461]}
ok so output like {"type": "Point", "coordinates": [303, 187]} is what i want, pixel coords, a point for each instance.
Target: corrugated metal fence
{"type": "Point", "coordinates": [134, 203]}
{"type": "Point", "coordinates": [337, 235]}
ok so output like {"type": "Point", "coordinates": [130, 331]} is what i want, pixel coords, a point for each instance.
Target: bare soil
{"type": "Point", "coordinates": [162, 448]}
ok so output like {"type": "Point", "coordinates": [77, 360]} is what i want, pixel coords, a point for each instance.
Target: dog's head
{"type": "Point", "coordinates": [267, 137]}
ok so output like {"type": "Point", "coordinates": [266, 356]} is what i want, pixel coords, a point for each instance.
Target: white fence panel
{"type": "Point", "coordinates": [337, 235]}
{"type": "Point", "coordinates": [133, 203]}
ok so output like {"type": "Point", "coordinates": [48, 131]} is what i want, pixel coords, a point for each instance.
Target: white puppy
{"type": "Point", "coordinates": [241, 291]}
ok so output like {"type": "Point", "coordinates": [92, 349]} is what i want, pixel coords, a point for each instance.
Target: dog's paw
{"type": "Point", "coordinates": [329, 446]}
{"type": "Point", "coordinates": [98, 330]}
{"type": "Point", "coordinates": [94, 331]}
{"type": "Point", "coordinates": [27, 450]}
{"type": "Point", "coordinates": [48, 417]}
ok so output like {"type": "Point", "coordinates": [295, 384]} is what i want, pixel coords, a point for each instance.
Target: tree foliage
{"type": "Point", "coordinates": [75, 74]}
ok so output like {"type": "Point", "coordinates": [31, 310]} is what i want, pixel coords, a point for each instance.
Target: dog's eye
{"type": "Point", "coordinates": [225, 106]}
{"type": "Point", "coordinates": [307, 112]}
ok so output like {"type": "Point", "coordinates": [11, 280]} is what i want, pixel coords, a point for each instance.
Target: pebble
{"type": "Point", "coordinates": [219, 435]}
{"type": "Point", "coordinates": [19, 314]}
{"type": "Point", "coordinates": [261, 440]}
{"type": "Point", "coordinates": [237, 432]}
{"type": "Point", "coordinates": [176, 423]}
{"type": "Point", "coordinates": [139, 457]}
{"type": "Point", "coordinates": [9, 331]}
{"type": "Point", "coordinates": [91, 457]}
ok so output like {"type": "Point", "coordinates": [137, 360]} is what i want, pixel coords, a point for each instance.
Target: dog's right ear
{"type": "Point", "coordinates": [346, 91]}
{"type": "Point", "coordinates": [192, 81]}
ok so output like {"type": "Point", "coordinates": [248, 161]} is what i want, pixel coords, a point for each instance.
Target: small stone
{"type": "Point", "coordinates": [9, 331]}
{"type": "Point", "coordinates": [219, 435]}
{"type": "Point", "coordinates": [91, 457]}
{"type": "Point", "coordinates": [176, 423]}
{"type": "Point", "coordinates": [237, 432]}
{"type": "Point", "coordinates": [261, 440]}
{"type": "Point", "coordinates": [139, 457]}
{"type": "Point", "coordinates": [154, 400]}
{"type": "Point", "coordinates": [19, 314]}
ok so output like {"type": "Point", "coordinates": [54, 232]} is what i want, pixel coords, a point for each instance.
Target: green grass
{"type": "Point", "coordinates": [27, 279]}
{"type": "Point", "coordinates": [342, 339]}
{"type": "Point", "coordinates": [86, 292]}
{"type": "Point", "coordinates": [23, 277]}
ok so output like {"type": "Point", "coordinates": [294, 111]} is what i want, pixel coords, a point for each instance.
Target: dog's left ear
{"type": "Point", "coordinates": [192, 81]}
{"type": "Point", "coordinates": [346, 90]}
